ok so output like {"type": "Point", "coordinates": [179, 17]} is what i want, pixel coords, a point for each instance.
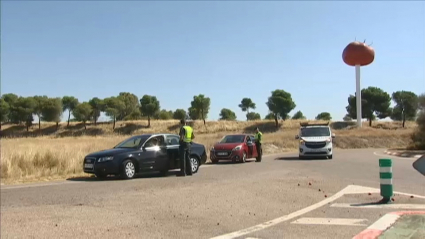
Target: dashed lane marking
{"type": "Point", "coordinates": [331, 221]}
{"type": "Point", "coordinates": [380, 206]}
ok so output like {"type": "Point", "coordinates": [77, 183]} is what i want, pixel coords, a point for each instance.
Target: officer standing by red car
{"type": "Point", "coordinates": [258, 141]}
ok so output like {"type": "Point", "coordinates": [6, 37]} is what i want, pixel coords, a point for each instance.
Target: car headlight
{"type": "Point", "coordinates": [104, 159]}
{"type": "Point", "coordinates": [237, 148]}
{"type": "Point", "coordinates": [328, 140]}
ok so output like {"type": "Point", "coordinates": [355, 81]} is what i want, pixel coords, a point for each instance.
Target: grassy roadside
{"type": "Point", "coordinates": [55, 156]}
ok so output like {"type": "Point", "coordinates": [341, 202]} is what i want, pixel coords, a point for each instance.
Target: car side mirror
{"type": "Point", "coordinates": [333, 136]}
{"type": "Point", "coordinates": [297, 137]}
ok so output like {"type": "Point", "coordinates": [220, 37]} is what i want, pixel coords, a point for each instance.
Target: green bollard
{"type": "Point", "coordinates": [386, 179]}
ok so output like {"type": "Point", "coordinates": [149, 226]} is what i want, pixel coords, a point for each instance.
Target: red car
{"type": "Point", "coordinates": [235, 147]}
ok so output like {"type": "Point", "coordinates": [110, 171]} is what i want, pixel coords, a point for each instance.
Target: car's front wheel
{"type": "Point", "coordinates": [243, 160]}
{"type": "Point", "coordinates": [194, 164]}
{"type": "Point", "coordinates": [128, 169]}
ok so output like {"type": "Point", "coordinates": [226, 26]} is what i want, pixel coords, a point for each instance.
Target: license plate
{"type": "Point", "coordinates": [88, 165]}
{"type": "Point", "coordinates": [222, 153]}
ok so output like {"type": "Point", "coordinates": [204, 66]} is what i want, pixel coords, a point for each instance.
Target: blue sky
{"type": "Point", "coordinates": [225, 50]}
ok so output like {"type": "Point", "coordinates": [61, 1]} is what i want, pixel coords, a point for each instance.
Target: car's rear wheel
{"type": "Point", "coordinates": [128, 169]}
{"type": "Point", "coordinates": [194, 163]}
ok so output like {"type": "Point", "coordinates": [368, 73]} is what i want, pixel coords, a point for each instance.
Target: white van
{"type": "Point", "coordinates": [315, 140]}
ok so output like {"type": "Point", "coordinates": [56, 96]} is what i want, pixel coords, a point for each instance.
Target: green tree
{"type": "Point", "coordinates": [4, 111]}
{"type": "Point", "coordinates": [421, 102]}
{"type": "Point", "coordinates": [179, 114]}
{"type": "Point", "coordinates": [98, 106]}
{"type": "Point", "coordinates": [25, 108]}
{"type": "Point", "coordinates": [132, 106]}
{"type": "Point", "coordinates": [406, 106]}
{"type": "Point", "coordinates": [227, 114]}
{"type": "Point", "coordinates": [11, 100]}
{"type": "Point", "coordinates": [324, 116]}
{"type": "Point", "coordinates": [418, 135]}
{"type": "Point", "coordinates": [164, 115]}
{"type": "Point", "coordinates": [39, 104]}
{"type": "Point", "coordinates": [375, 103]}
{"type": "Point", "coordinates": [149, 107]}
{"type": "Point", "coordinates": [298, 115]}
{"type": "Point", "coordinates": [253, 116]}
{"type": "Point", "coordinates": [83, 113]}
{"type": "Point", "coordinates": [193, 113]}
{"type": "Point", "coordinates": [247, 104]}
{"type": "Point", "coordinates": [69, 103]}
{"type": "Point", "coordinates": [269, 116]}
{"type": "Point", "coordinates": [200, 106]}
{"type": "Point", "coordinates": [280, 103]}
{"type": "Point", "coordinates": [52, 111]}
{"type": "Point", "coordinates": [347, 118]}
{"type": "Point", "coordinates": [113, 107]}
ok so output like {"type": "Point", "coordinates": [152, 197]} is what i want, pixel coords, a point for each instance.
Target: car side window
{"type": "Point", "coordinates": [252, 138]}
{"type": "Point", "coordinates": [173, 140]}
{"type": "Point", "coordinates": [248, 139]}
{"type": "Point", "coordinates": [155, 141]}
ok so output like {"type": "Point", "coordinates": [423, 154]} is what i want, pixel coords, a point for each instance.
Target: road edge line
{"type": "Point", "coordinates": [382, 224]}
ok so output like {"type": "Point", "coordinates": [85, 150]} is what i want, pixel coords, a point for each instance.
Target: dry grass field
{"type": "Point", "coordinates": [52, 153]}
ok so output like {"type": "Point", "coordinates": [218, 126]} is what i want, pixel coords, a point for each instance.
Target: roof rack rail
{"type": "Point", "coordinates": [304, 124]}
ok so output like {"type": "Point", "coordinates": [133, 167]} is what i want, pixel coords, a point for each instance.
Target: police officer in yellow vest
{"type": "Point", "coordinates": [258, 141]}
{"type": "Point", "coordinates": [186, 137]}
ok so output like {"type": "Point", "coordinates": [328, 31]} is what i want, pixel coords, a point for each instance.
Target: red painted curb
{"type": "Point", "coordinates": [374, 231]}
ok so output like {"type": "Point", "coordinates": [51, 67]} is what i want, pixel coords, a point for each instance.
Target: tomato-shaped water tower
{"type": "Point", "coordinates": [358, 54]}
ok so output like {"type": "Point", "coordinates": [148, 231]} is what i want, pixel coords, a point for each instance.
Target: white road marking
{"type": "Point", "coordinates": [273, 222]}
{"type": "Point", "coordinates": [384, 222]}
{"type": "Point", "coordinates": [389, 206]}
{"type": "Point", "coordinates": [350, 189]}
{"type": "Point", "coordinates": [331, 221]}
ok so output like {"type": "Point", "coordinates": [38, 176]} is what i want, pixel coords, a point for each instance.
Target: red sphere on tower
{"type": "Point", "coordinates": [358, 53]}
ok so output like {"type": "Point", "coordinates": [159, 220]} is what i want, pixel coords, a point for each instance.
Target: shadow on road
{"type": "Point", "coordinates": [295, 158]}
{"type": "Point", "coordinates": [117, 178]}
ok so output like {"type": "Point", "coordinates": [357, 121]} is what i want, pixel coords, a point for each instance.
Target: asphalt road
{"type": "Point", "coordinates": [217, 201]}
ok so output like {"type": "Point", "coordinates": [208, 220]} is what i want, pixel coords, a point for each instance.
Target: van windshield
{"type": "Point", "coordinates": [315, 132]}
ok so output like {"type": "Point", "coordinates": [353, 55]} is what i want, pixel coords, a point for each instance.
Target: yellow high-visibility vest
{"type": "Point", "coordinates": [188, 136]}
{"type": "Point", "coordinates": [259, 137]}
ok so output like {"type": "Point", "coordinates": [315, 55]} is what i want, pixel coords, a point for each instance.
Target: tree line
{"type": "Point", "coordinates": [127, 106]}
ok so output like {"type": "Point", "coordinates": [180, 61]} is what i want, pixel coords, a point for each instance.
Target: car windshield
{"type": "Point", "coordinates": [132, 142]}
{"type": "Point", "coordinates": [315, 132]}
{"type": "Point", "coordinates": [233, 139]}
